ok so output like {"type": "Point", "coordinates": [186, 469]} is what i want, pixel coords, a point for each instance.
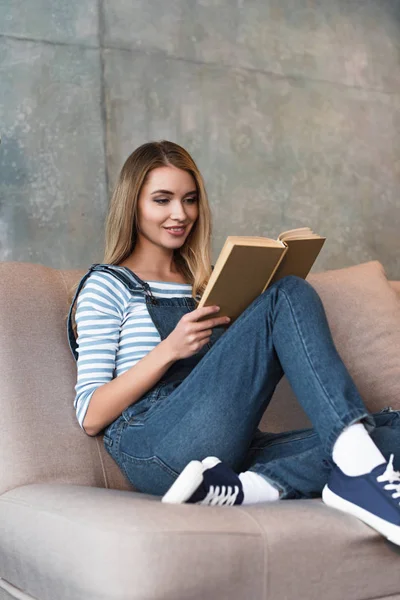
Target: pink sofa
{"type": "Point", "coordinates": [72, 527]}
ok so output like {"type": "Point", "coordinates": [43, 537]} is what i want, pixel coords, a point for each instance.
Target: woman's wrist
{"type": "Point", "coordinates": [168, 352]}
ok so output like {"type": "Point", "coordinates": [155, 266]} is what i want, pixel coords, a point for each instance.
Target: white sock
{"type": "Point", "coordinates": [354, 451]}
{"type": "Point", "coordinates": [257, 489]}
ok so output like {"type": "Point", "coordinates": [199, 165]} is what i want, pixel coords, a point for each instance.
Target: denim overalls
{"type": "Point", "coordinates": [165, 314]}
{"type": "Point", "coordinates": [211, 403]}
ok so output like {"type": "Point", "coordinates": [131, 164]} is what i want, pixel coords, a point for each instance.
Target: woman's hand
{"type": "Point", "coordinates": [189, 336]}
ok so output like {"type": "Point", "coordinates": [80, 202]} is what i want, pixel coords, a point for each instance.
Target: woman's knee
{"type": "Point", "coordinates": [296, 287]}
{"type": "Point", "coordinates": [293, 282]}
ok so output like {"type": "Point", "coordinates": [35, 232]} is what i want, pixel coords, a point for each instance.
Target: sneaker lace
{"type": "Point", "coordinates": [392, 477]}
{"type": "Point", "coordinates": [220, 495]}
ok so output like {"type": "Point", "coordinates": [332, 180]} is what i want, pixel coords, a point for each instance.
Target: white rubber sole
{"type": "Point", "coordinates": [388, 530]}
{"type": "Point", "coordinates": [189, 480]}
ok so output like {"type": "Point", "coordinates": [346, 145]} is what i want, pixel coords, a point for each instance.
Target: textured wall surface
{"type": "Point", "coordinates": [291, 108]}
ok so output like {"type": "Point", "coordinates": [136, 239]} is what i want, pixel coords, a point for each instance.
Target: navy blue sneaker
{"type": "Point", "coordinates": [373, 498]}
{"type": "Point", "coordinates": [207, 482]}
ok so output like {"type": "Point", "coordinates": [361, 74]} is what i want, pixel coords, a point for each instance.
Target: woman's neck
{"type": "Point", "coordinates": [151, 275]}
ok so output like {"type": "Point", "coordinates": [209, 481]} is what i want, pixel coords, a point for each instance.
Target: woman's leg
{"type": "Point", "coordinates": [217, 408]}
{"type": "Point", "coordinates": [296, 463]}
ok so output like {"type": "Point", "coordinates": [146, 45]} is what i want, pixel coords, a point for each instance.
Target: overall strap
{"type": "Point", "coordinates": [132, 283]}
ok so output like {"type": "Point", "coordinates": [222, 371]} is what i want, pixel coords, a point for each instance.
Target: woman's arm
{"type": "Point", "coordinates": [109, 400]}
{"type": "Point", "coordinates": [100, 398]}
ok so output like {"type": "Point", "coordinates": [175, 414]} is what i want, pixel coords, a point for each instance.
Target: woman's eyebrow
{"type": "Point", "coordinates": [171, 193]}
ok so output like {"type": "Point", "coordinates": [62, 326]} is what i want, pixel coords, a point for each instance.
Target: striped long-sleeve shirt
{"type": "Point", "coordinates": [114, 331]}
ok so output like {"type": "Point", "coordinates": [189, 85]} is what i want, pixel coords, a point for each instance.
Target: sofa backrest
{"type": "Point", "coordinates": [41, 439]}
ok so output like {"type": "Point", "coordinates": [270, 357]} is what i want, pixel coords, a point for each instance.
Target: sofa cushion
{"type": "Point", "coordinates": [69, 542]}
{"type": "Point", "coordinates": [363, 312]}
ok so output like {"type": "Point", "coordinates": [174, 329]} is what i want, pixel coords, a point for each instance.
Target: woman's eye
{"type": "Point", "coordinates": [164, 200]}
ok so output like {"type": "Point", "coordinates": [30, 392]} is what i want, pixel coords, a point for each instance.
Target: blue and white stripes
{"type": "Point", "coordinates": [114, 331]}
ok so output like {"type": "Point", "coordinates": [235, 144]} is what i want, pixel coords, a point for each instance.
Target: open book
{"type": "Point", "coordinates": [247, 265]}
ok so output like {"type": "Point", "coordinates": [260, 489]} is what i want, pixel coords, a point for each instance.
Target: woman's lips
{"type": "Point", "coordinates": [176, 232]}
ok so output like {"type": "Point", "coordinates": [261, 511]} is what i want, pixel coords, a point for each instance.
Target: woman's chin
{"type": "Point", "coordinates": [175, 240]}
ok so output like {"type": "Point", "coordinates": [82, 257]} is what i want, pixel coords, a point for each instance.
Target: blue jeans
{"type": "Point", "coordinates": [211, 404]}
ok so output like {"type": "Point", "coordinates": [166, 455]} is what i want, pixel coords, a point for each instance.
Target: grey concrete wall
{"type": "Point", "coordinates": [291, 109]}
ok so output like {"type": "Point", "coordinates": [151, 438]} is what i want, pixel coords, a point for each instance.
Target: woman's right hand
{"type": "Point", "coordinates": [189, 336]}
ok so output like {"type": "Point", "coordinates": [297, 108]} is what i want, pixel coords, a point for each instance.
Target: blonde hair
{"type": "Point", "coordinates": [193, 259]}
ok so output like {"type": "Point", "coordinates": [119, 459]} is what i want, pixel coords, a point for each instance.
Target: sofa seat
{"type": "Point", "coordinates": [68, 542]}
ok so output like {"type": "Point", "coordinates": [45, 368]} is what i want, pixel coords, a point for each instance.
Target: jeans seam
{"type": "Point", "coordinates": [118, 434]}
{"type": "Point", "coordinates": [331, 404]}
{"type": "Point", "coordinates": [306, 350]}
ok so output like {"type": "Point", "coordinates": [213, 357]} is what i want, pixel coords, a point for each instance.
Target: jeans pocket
{"type": "Point", "coordinates": [107, 440]}
{"type": "Point", "coordinates": [112, 434]}
{"type": "Point", "coordinates": [135, 414]}
{"type": "Point", "coordinates": [165, 389]}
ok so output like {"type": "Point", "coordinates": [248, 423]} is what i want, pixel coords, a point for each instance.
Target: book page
{"type": "Point", "coordinates": [297, 234]}
{"type": "Point", "coordinates": [253, 240]}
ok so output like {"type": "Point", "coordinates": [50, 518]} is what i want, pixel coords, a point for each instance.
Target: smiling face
{"type": "Point", "coordinates": [167, 199]}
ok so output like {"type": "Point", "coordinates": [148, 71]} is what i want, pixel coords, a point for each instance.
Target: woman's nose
{"type": "Point", "coordinates": [178, 212]}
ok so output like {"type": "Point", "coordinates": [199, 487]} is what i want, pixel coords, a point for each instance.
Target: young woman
{"type": "Point", "coordinates": [179, 393]}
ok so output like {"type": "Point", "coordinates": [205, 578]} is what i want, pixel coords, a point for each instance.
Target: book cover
{"type": "Point", "coordinates": [247, 265]}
